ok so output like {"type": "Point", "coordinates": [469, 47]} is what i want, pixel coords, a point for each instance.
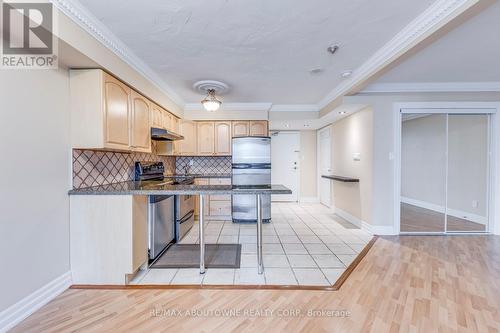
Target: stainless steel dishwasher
{"type": "Point", "coordinates": [161, 222]}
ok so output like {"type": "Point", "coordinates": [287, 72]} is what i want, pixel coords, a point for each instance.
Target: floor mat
{"type": "Point", "coordinates": [188, 256]}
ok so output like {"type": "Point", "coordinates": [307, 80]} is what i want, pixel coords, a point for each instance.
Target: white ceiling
{"type": "Point", "coordinates": [262, 49]}
{"type": "Point", "coordinates": [469, 53]}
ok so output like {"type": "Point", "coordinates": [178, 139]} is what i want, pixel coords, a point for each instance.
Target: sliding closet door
{"type": "Point", "coordinates": [467, 203]}
{"type": "Point", "coordinates": [423, 173]}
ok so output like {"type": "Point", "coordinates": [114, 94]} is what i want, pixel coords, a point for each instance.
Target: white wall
{"type": "Point", "coordinates": [353, 135]}
{"type": "Point", "coordinates": [35, 169]}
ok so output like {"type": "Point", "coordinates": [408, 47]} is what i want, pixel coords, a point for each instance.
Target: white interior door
{"type": "Point", "coordinates": [325, 167]}
{"type": "Point", "coordinates": [285, 149]}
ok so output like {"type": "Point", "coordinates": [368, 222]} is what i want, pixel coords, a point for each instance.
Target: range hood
{"type": "Point", "coordinates": [160, 134]}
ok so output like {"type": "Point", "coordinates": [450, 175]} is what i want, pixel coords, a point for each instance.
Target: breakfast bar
{"type": "Point", "coordinates": [137, 188]}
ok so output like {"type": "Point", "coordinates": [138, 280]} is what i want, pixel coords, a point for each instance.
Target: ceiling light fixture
{"type": "Point", "coordinates": [211, 103]}
{"type": "Point", "coordinates": [346, 74]}
{"type": "Point", "coordinates": [342, 112]}
{"type": "Point", "coordinates": [211, 88]}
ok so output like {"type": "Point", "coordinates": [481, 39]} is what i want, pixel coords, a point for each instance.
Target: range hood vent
{"type": "Point", "coordinates": [160, 134]}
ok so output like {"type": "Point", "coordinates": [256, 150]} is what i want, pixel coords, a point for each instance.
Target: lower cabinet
{"type": "Point", "coordinates": [108, 237]}
{"type": "Point", "coordinates": [217, 207]}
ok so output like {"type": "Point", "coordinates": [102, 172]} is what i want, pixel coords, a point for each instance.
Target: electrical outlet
{"type": "Point", "coordinates": [475, 203]}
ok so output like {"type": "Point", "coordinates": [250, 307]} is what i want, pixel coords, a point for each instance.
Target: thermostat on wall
{"type": "Point", "coordinates": [356, 157]}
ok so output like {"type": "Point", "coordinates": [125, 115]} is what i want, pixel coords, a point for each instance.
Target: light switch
{"type": "Point", "coordinates": [475, 203]}
{"type": "Point", "coordinates": [356, 157]}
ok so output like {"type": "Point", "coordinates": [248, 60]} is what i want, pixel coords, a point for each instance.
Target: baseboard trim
{"type": "Point", "coordinates": [16, 313]}
{"type": "Point", "coordinates": [441, 209]}
{"type": "Point", "coordinates": [309, 200]}
{"type": "Point", "coordinates": [383, 230]}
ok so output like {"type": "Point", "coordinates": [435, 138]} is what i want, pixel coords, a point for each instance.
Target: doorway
{"type": "Point", "coordinates": [445, 171]}
{"type": "Point", "coordinates": [324, 165]}
{"type": "Point", "coordinates": [285, 150]}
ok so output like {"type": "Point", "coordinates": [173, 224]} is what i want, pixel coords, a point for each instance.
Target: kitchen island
{"type": "Point", "coordinates": [119, 210]}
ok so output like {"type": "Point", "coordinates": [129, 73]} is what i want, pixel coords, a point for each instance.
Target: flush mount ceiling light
{"type": "Point", "coordinates": [211, 88]}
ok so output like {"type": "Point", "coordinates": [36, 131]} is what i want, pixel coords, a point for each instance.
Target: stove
{"type": "Point", "coordinates": [169, 217]}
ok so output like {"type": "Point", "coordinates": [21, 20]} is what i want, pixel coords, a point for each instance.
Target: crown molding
{"type": "Point", "coordinates": [294, 108]}
{"type": "Point", "coordinates": [433, 18]}
{"type": "Point", "coordinates": [88, 22]}
{"type": "Point", "coordinates": [232, 107]}
{"type": "Point", "coordinates": [410, 87]}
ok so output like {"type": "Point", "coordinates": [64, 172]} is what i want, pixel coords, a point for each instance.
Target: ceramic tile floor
{"type": "Point", "coordinates": [303, 245]}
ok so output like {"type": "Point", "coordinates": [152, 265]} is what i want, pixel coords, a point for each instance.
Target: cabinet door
{"type": "Point", "coordinates": [222, 138]}
{"type": "Point", "coordinates": [140, 127]}
{"type": "Point", "coordinates": [116, 114]}
{"type": "Point", "coordinates": [205, 133]}
{"type": "Point", "coordinates": [156, 116]}
{"type": "Point", "coordinates": [258, 128]}
{"type": "Point", "coordinates": [188, 145]}
{"type": "Point", "coordinates": [240, 128]}
{"type": "Point", "coordinates": [166, 120]}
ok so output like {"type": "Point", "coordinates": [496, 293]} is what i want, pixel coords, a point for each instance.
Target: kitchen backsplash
{"type": "Point", "coordinates": [204, 164]}
{"type": "Point", "coordinates": [92, 168]}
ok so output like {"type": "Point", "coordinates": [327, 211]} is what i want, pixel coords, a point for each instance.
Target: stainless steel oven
{"type": "Point", "coordinates": [184, 215]}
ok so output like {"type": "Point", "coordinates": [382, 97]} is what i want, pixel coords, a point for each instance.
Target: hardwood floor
{"type": "Point", "coordinates": [416, 219]}
{"type": "Point", "coordinates": [407, 283]}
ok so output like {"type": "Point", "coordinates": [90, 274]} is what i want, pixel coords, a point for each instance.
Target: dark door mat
{"type": "Point", "coordinates": [188, 256]}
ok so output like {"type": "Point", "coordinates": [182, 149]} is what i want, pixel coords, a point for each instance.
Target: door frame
{"type": "Point", "coordinates": [299, 166]}
{"type": "Point", "coordinates": [492, 108]}
{"type": "Point", "coordinates": [318, 163]}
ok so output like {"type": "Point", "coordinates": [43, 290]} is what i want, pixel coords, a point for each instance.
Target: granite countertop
{"type": "Point", "coordinates": [160, 188]}
{"type": "Point", "coordinates": [202, 175]}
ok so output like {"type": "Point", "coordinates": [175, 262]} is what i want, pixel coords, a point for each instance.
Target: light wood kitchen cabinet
{"type": "Point", "coordinates": [108, 237]}
{"type": "Point", "coordinates": [156, 116]}
{"type": "Point", "coordinates": [187, 147]}
{"type": "Point", "coordinates": [222, 138]}
{"type": "Point", "coordinates": [240, 128]}
{"type": "Point", "coordinates": [258, 128]}
{"type": "Point", "coordinates": [205, 137]}
{"type": "Point", "coordinates": [116, 113]}
{"type": "Point", "coordinates": [140, 126]}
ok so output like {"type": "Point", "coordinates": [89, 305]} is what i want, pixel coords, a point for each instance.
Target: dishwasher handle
{"type": "Point", "coordinates": [187, 217]}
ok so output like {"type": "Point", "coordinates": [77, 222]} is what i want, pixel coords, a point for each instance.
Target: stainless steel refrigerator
{"type": "Point", "coordinates": [251, 166]}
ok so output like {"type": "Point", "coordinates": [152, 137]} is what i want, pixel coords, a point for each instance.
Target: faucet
{"type": "Point", "coordinates": [186, 169]}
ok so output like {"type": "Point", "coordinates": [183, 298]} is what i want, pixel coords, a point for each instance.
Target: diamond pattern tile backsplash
{"type": "Point", "coordinates": [204, 164]}
{"type": "Point", "coordinates": [92, 168]}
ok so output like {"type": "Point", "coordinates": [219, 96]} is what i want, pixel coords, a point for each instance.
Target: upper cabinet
{"type": "Point", "coordinates": [107, 114]}
{"type": "Point", "coordinates": [141, 127]}
{"type": "Point", "coordinates": [240, 128]}
{"type": "Point", "coordinates": [188, 145]}
{"type": "Point", "coordinates": [205, 138]}
{"type": "Point", "coordinates": [116, 113]}
{"type": "Point", "coordinates": [258, 128]}
{"type": "Point", "coordinates": [223, 136]}
{"type": "Point", "coordinates": [250, 128]}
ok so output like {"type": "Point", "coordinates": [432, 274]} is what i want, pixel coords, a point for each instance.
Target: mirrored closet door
{"type": "Point", "coordinates": [444, 173]}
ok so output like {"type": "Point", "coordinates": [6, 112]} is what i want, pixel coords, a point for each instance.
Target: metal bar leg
{"type": "Point", "coordinates": [202, 234]}
{"type": "Point", "coordinates": [259, 234]}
